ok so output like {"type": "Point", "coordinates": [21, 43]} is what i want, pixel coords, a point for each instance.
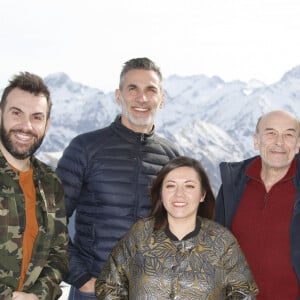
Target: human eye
{"type": "Point", "coordinates": [189, 186]}
{"type": "Point", "coordinates": [152, 90]}
{"type": "Point", "coordinates": [170, 186]}
{"type": "Point", "coordinates": [38, 117]}
{"type": "Point", "coordinates": [15, 112]}
{"type": "Point", "coordinates": [289, 135]}
{"type": "Point", "coordinates": [132, 88]}
{"type": "Point", "coordinates": [270, 134]}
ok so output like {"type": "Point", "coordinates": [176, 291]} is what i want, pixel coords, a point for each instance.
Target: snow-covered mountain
{"type": "Point", "coordinates": [207, 118]}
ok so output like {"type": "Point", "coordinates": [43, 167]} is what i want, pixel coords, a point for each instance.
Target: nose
{"type": "Point", "coordinates": [179, 190]}
{"type": "Point", "coordinates": [141, 97]}
{"type": "Point", "coordinates": [279, 139]}
{"type": "Point", "coordinates": [26, 124]}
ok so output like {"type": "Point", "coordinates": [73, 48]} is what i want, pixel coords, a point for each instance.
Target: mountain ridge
{"type": "Point", "coordinates": [206, 117]}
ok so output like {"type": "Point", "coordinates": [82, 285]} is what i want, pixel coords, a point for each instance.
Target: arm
{"type": "Point", "coordinates": [239, 281]}
{"type": "Point", "coordinates": [71, 170]}
{"type": "Point", "coordinates": [113, 282]}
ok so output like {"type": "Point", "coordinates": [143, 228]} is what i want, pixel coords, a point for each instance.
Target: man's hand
{"type": "Point", "coordinates": [23, 296]}
{"type": "Point", "coordinates": [89, 286]}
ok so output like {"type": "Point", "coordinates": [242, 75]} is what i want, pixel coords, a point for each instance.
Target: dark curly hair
{"type": "Point", "coordinates": [30, 83]}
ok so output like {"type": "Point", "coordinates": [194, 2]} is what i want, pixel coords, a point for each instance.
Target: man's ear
{"type": "Point", "coordinates": [163, 98]}
{"type": "Point", "coordinates": [118, 96]}
{"type": "Point", "coordinates": [256, 141]}
{"type": "Point", "coordinates": [298, 143]}
{"type": "Point", "coordinates": [47, 125]}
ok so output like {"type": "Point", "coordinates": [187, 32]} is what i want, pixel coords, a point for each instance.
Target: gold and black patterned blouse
{"type": "Point", "coordinates": [206, 264]}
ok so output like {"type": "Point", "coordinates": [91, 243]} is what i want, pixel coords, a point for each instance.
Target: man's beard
{"type": "Point", "coordinates": [137, 122]}
{"type": "Point", "coordinates": [9, 146]}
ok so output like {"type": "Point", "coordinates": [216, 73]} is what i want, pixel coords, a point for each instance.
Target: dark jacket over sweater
{"type": "Point", "coordinates": [234, 181]}
{"type": "Point", "coordinates": [106, 175]}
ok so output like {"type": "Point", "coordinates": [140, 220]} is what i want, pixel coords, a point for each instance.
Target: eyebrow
{"type": "Point", "coordinates": [188, 180]}
{"type": "Point", "coordinates": [151, 86]}
{"type": "Point", "coordinates": [131, 85]}
{"type": "Point", "coordinates": [20, 110]}
{"type": "Point", "coordinates": [288, 129]}
{"type": "Point", "coordinates": [15, 108]}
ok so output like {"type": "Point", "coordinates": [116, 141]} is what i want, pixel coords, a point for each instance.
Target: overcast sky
{"type": "Point", "coordinates": [91, 39]}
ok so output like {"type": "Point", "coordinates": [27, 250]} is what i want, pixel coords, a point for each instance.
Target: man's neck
{"type": "Point", "coordinates": [137, 128]}
{"type": "Point", "coordinates": [19, 164]}
{"type": "Point", "coordinates": [271, 176]}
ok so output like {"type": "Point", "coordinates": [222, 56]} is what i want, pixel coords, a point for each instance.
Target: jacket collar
{"type": "Point", "coordinates": [128, 134]}
{"type": "Point", "coordinates": [192, 234]}
{"type": "Point", "coordinates": [6, 168]}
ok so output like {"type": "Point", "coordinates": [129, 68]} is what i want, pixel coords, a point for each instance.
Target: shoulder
{"type": "Point", "coordinates": [217, 231]}
{"type": "Point", "coordinates": [140, 230]}
{"type": "Point", "coordinates": [236, 167]}
{"type": "Point", "coordinates": [144, 224]}
{"type": "Point", "coordinates": [43, 169]}
{"type": "Point", "coordinates": [238, 164]}
{"type": "Point", "coordinates": [166, 146]}
{"type": "Point", "coordinates": [45, 175]}
{"type": "Point", "coordinates": [84, 145]}
{"type": "Point", "coordinates": [91, 137]}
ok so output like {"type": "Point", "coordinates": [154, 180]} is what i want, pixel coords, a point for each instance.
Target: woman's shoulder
{"type": "Point", "coordinates": [141, 228]}
{"type": "Point", "coordinates": [215, 229]}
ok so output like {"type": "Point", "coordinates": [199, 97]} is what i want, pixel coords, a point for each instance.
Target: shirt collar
{"type": "Point", "coordinates": [255, 167]}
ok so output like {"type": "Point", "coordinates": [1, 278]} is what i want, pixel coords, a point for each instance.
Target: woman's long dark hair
{"type": "Point", "coordinates": [206, 208]}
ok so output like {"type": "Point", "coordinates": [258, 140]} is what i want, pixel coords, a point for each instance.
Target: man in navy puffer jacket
{"type": "Point", "coordinates": [106, 174]}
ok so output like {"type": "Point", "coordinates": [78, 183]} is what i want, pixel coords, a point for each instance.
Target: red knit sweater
{"type": "Point", "coordinates": [261, 225]}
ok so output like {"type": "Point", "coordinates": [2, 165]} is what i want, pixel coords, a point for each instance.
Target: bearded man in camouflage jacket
{"type": "Point", "coordinates": [33, 232]}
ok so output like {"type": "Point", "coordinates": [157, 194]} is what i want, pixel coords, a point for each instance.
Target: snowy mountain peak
{"type": "Point", "coordinates": [57, 79]}
{"type": "Point", "coordinates": [205, 117]}
{"type": "Point", "coordinates": [292, 74]}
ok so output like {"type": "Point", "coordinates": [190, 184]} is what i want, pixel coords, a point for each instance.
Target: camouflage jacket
{"type": "Point", "coordinates": [206, 264]}
{"type": "Point", "coordinates": [49, 262]}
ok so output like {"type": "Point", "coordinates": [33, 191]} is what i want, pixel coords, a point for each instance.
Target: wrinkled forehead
{"type": "Point", "coordinates": [26, 102]}
{"type": "Point", "coordinates": [141, 78]}
{"type": "Point", "coordinates": [278, 121]}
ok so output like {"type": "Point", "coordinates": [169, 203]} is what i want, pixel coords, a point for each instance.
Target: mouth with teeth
{"type": "Point", "coordinates": [141, 109]}
{"type": "Point", "coordinates": [180, 204]}
{"type": "Point", "coordinates": [277, 152]}
{"type": "Point", "coordinates": [23, 137]}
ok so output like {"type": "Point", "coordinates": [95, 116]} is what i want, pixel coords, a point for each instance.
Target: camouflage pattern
{"type": "Point", "coordinates": [49, 262]}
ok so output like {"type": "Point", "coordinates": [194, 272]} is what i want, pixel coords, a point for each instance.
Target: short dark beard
{"type": "Point", "coordinates": [7, 143]}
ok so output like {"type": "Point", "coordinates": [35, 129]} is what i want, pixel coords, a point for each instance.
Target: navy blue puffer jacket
{"type": "Point", "coordinates": [106, 176]}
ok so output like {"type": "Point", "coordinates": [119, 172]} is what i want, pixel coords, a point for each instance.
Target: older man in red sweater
{"type": "Point", "coordinates": [259, 200]}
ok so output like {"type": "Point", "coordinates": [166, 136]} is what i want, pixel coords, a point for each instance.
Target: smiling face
{"type": "Point", "coordinates": [277, 140]}
{"type": "Point", "coordinates": [140, 97]}
{"type": "Point", "coordinates": [181, 194]}
{"type": "Point", "coordinates": [23, 124]}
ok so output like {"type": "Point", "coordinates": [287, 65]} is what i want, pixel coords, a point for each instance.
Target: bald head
{"type": "Point", "coordinates": [277, 139]}
{"type": "Point", "coordinates": [280, 116]}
